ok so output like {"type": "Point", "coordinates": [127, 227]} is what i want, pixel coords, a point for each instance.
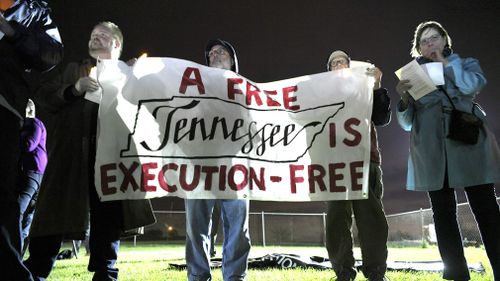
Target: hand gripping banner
{"type": "Point", "coordinates": [171, 127]}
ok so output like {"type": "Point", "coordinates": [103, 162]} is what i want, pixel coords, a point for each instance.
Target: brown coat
{"type": "Point", "coordinates": [63, 202]}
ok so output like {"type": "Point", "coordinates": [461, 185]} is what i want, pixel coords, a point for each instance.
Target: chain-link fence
{"type": "Point", "coordinates": [418, 227]}
{"type": "Point", "coordinates": [410, 228]}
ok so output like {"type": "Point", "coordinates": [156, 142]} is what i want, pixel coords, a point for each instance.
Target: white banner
{"type": "Point", "coordinates": [171, 127]}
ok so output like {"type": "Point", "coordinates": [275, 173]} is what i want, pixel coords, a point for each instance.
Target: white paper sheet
{"type": "Point", "coordinates": [420, 81]}
{"type": "Point", "coordinates": [435, 71]}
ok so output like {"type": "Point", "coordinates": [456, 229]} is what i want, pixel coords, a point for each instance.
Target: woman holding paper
{"type": "Point", "coordinates": [438, 164]}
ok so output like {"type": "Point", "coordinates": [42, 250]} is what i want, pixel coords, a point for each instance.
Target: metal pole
{"type": "Point", "coordinates": [75, 251]}
{"type": "Point", "coordinates": [263, 229]}
{"type": "Point", "coordinates": [422, 226]}
{"type": "Point", "coordinates": [324, 229]}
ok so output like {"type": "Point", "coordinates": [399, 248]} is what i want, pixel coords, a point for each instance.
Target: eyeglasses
{"type": "Point", "coordinates": [334, 63]}
{"type": "Point", "coordinates": [431, 39]}
{"type": "Point", "coordinates": [220, 52]}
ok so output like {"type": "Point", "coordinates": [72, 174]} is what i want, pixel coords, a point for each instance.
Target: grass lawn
{"type": "Point", "coordinates": [148, 261]}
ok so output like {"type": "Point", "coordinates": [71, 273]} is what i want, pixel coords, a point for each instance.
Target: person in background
{"type": "Point", "coordinates": [234, 213]}
{"type": "Point", "coordinates": [33, 163]}
{"type": "Point", "coordinates": [68, 192]}
{"type": "Point", "coordinates": [369, 213]}
{"type": "Point", "coordinates": [439, 165]}
{"type": "Point", "coordinates": [29, 44]}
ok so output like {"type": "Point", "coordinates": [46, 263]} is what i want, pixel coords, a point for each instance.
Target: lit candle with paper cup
{"type": "Point", "coordinates": [93, 72]}
{"type": "Point", "coordinates": [94, 96]}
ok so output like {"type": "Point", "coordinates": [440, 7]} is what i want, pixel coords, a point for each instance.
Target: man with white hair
{"type": "Point", "coordinates": [369, 213]}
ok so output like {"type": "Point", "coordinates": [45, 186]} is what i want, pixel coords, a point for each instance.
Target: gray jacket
{"type": "Point", "coordinates": [432, 154]}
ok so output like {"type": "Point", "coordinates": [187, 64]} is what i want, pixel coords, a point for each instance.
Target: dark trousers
{"type": "Point", "coordinates": [10, 234]}
{"type": "Point", "coordinates": [487, 214]}
{"type": "Point", "coordinates": [372, 230]}
{"type": "Point", "coordinates": [105, 229]}
{"type": "Point", "coordinates": [104, 239]}
{"type": "Point", "coordinates": [28, 191]}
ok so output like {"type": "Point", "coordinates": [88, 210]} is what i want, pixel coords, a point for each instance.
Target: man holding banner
{"type": "Point", "coordinates": [171, 127]}
{"type": "Point", "coordinates": [369, 213]}
{"type": "Point", "coordinates": [68, 191]}
{"type": "Point", "coordinates": [236, 246]}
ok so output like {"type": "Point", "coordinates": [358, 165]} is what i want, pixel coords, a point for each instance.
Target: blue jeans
{"type": "Point", "coordinates": [28, 190]}
{"type": "Point", "coordinates": [215, 228]}
{"type": "Point", "coordinates": [236, 245]}
{"type": "Point", "coordinates": [10, 236]}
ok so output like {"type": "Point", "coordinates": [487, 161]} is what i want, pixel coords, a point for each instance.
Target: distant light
{"type": "Point", "coordinates": [170, 228]}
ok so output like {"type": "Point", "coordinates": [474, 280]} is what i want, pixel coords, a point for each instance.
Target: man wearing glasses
{"type": "Point", "coordinates": [234, 212]}
{"type": "Point", "coordinates": [369, 213]}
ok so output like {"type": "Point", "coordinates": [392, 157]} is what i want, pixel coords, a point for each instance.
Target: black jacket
{"type": "Point", "coordinates": [35, 47]}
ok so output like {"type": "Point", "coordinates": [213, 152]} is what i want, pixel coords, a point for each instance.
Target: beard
{"type": "Point", "coordinates": [222, 64]}
{"type": "Point", "coordinates": [98, 50]}
{"type": "Point", "coordinates": [99, 46]}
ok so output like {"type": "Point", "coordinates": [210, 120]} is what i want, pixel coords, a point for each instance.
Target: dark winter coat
{"type": "Point", "coordinates": [63, 204]}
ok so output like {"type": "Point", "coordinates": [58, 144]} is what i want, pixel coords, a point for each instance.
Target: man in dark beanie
{"type": "Point", "coordinates": [218, 54]}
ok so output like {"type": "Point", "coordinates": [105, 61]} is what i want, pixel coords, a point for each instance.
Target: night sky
{"type": "Point", "coordinates": [282, 39]}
